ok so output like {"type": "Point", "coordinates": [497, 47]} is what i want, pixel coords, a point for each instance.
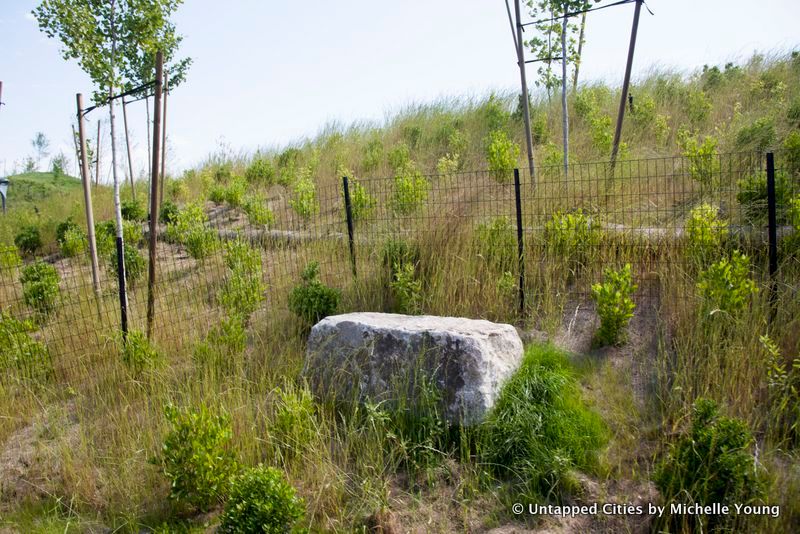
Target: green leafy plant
{"type": "Point", "coordinates": [9, 257]}
{"type": "Point", "coordinates": [362, 204]}
{"type": "Point", "coordinates": [28, 239]}
{"type": "Point", "coordinates": [312, 300]}
{"type": "Point", "coordinates": [134, 263]}
{"type": "Point", "coordinates": [235, 192]}
{"type": "Point", "coordinates": [711, 463]}
{"type": "Point", "coordinates": [260, 171]}
{"type": "Point", "coordinates": [406, 289]}
{"type": "Point", "coordinates": [702, 157]}
{"type": "Point", "coordinates": [63, 227]}
{"type": "Point", "coordinates": [40, 288]}
{"type": "Point", "coordinates": [783, 381]}
{"type": "Point", "coordinates": [217, 193]}
{"type": "Point", "coordinates": [614, 304]}
{"type": "Point", "coordinates": [190, 230]}
{"type": "Point", "coordinates": [168, 213]}
{"type": "Point", "coordinates": [791, 150]}
{"type": "Point", "coordinates": [196, 456]}
{"type": "Point", "coordinates": [698, 106]}
{"type": "Point", "coordinates": [752, 197]}
{"type": "Point", "coordinates": [258, 212]}
{"type": "Point", "coordinates": [261, 501]}
{"type": "Point", "coordinates": [225, 342]}
{"type": "Point", "coordinates": [410, 190]}
{"type": "Point", "coordinates": [706, 231]}
{"type": "Point", "coordinates": [501, 154]}
{"type": "Point", "coordinates": [497, 243]}
{"type": "Point", "coordinates": [243, 290]}
{"type": "Point", "coordinates": [373, 155]}
{"type": "Point", "coordinates": [304, 195]}
{"type": "Point", "coordinates": [133, 210]}
{"type": "Point", "coordinates": [137, 352]}
{"type": "Point", "coordinates": [726, 285]}
{"type": "Point", "coordinates": [539, 430]}
{"type": "Point", "coordinates": [757, 135]}
{"type": "Point", "coordinates": [73, 243]}
{"type": "Point", "coordinates": [399, 157]}
{"type": "Point", "coordinates": [573, 236]}
{"type": "Point", "coordinates": [448, 165]}
{"type": "Point", "coordinates": [21, 354]}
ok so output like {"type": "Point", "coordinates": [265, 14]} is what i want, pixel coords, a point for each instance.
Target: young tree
{"type": "Point", "coordinates": [42, 146]}
{"type": "Point", "coordinates": [103, 36]}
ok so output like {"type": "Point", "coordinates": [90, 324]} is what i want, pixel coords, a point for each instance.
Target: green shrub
{"type": "Point", "coordinates": [137, 352]}
{"type": "Point", "coordinates": [752, 197]}
{"type": "Point", "coordinates": [9, 257]}
{"type": "Point", "coordinates": [726, 285]}
{"type": "Point", "coordinates": [217, 193]}
{"type": "Point", "coordinates": [501, 154]}
{"type": "Point", "coordinates": [791, 152]}
{"type": "Point", "coordinates": [234, 193]}
{"type": "Point", "coordinates": [373, 155]}
{"type": "Point", "coordinates": [783, 382]}
{"type": "Point", "coordinates": [711, 463]}
{"type": "Point", "coordinates": [706, 231]}
{"type": "Point", "coordinates": [494, 113]}
{"type": "Point", "coordinates": [406, 289]}
{"type": "Point", "coordinates": [661, 129]}
{"type": "Point", "coordinates": [698, 106]}
{"type": "Point", "coordinates": [169, 212]}
{"type": "Point", "coordinates": [643, 113]}
{"type": "Point", "coordinates": [243, 290]}
{"type": "Point", "coordinates": [196, 456]}
{"type": "Point", "coordinates": [225, 342]}
{"type": "Point", "coordinates": [448, 165]}
{"type": "Point", "coordinates": [104, 238]}
{"type": "Point", "coordinates": [133, 210]}
{"type": "Point", "coordinates": [614, 305]}
{"type": "Point", "coordinates": [539, 430]}
{"type": "Point", "coordinates": [410, 190]}
{"type": "Point", "coordinates": [178, 189]}
{"type": "Point", "coordinates": [74, 243]}
{"type": "Point", "coordinates": [702, 157]}
{"type": "Point", "coordinates": [201, 242]}
{"type": "Point", "coordinates": [40, 288]}
{"type": "Point", "coordinates": [758, 135]}
{"type": "Point", "coordinates": [399, 157]}
{"type": "Point", "coordinates": [539, 129]}
{"type": "Point", "coordinates": [312, 300]}
{"type": "Point", "coordinates": [258, 212]}
{"type": "Point", "coordinates": [260, 171]}
{"type": "Point", "coordinates": [362, 204]}
{"type": "Point", "coordinates": [498, 243]}
{"type": "Point", "coordinates": [261, 501]}
{"type": "Point", "coordinates": [20, 353]}
{"type": "Point", "coordinates": [28, 239]}
{"type": "Point", "coordinates": [572, 236]}
{"type": "Point", "coordinates": [304, 195]}
{"type": "Point", "coordinates": [134, 263]}
{"type": "Point", "coordinates": [63, 227]}
{"type": "Point", "coordinates": [412, 134]}
{"type": "Point", "coordinates": [190, 230]}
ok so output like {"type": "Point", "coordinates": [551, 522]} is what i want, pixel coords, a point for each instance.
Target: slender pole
{"type": "Point", "coordinates": [149, 155]}
{"type": "Point", "coordinates": [772, 230]}
{"type": "Point", "coordinates": [163, 141]}
{"type": "Point", "coordinates": [564, 114]}
{"type": "Point", "coordinates": [97, 156]}
{"type": "Point", "coordinates": [526, 112]}
{"type": "Point", "coordinates": [151, 277]}
{"type": "Point", "coordinates": [128, 147]}
{"type": "Point", "coordinates": [77, 152]}
{"type": "Point", "coordinates": [580, 51]}
{"type": "Point", "coordinates": [520, 249]}
{"type": "Point", "coordinates": [625, 84]}
{"type": "Point", "coordinates": [348, 208]}
{"type": "Point", "coordinates": [86, 180]}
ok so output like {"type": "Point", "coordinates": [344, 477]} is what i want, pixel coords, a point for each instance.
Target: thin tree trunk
{"type": "Point", "coordinates": [580, 51]}
{"type": "Point", "coordinates": [149, 155]}
{"type": "Point", "coordinates": [564, 113]}
{"type": "Point", "coordinates": [163, 143]}
{"type": "Point", "coordinates": [128, 146]}
{"type": "Point", "coordinates": [97, 156]}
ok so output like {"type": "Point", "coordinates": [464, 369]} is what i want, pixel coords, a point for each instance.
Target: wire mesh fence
{"type": "Point", "coordinates": [441, 244]}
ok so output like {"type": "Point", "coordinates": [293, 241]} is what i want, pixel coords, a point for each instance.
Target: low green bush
{"type": "Point", "coordinates": [217, 193]}
{"type": "Point", "coordinates": [235, 192]}
{"type": "Point", "coordinates": [410, 190]}
{"type": "Point", "coordinates": [406, 289]}
{"type": "Point", "coordinates": [362, 204]}
{"type": "Point", "coordinates": [40, 288]}
{"type": "Point", "coordinates": [752, 197]}
{"type": "Point", "coordinates": [73, 243]}
{"type": "Point", "coordinates": [539, 430]}
{"type": "Point", "coordinates": [261, 501]}
{"type": "Point", "coordinates": [758, 135]}
{"type": "Point", "coordinates": [137, 352]}
{"type": "Point", "coordinates": [372, 155]}
{"type": "Point", "coordinates": [189, 229]}
{"type": "Point", "coordinates": [196, 456]}
{"type": "Point", "coordinates": [257, 211]}
{"type": "Point", "coordinates": [134, 263]}
{"type": "Point", "coordinates": [706, 231]}
{"type": "Point", "coordinates": [573, 236]}
{"type": "Point", "coordinates": [501, 155]}
{"type": "Point", "coordinates": [243, 290]}
{"type": "Point", "coordinates": [9, 257]}
{"type": "Point", "coordinates": [448, 165]}
{"type": "Point", "coordinates": [225, 342]}
{"type": "Point", "coordinates": [28, 239]}
{"type": "Point", "coordinates": [21, 354]}
{"type": "Point", "coordinates": [304, 195]}
{"type": "Point", "coordinates": [711, 463]}
{"type": "Point", "coordinates": [63, 227]}
{"type": "Point", "coordinates": [726, 285]}
{"type": "Point", "coordinates": [261, 171]}
{"type": "Point", "coordinates": [169, 212]}
{"type": "Point", "coordinates": [702, 157]}
{"type": "Point", "coordinates": [133, 210]}
{"type": "Point", "coordinates": [312, 300]}
{"type": "Point", "coordinates": [399, 157]}
{"type": "Point", "coordinates": [614, 305]}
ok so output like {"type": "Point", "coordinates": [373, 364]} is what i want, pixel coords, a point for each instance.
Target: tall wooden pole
{"type": "Point", "coordinates": [149, 155]}
{"type": "Point", "coordinates": [151, 280]}
{"type": "Point", "coordinates": [564, 111]}
{"type": "Point", "coordinates": [128, 146]}
{"type": "Point", "coordinates": [625, 84]}
{"type": "Point", "coordinates": [163, 141]}
{"type": "Point", "coordinates": [523, 81]}
{"type": "Point", "coordinates": [97, 156]}
{"type": "Point", "coordinates": [86, 180]}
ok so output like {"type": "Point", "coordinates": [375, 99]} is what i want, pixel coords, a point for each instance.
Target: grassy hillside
{"type": "Point", "coordinates": [694, 399]}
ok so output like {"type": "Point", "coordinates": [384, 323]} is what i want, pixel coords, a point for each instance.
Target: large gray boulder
{"type": "Point", "coordinates": [401, 359]}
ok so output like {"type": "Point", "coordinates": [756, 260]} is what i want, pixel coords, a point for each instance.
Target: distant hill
{"type": "Point", "coordinates": [38, 186]}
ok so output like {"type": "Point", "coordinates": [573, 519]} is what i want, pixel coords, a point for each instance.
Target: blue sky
{"type": "Point", "coordinates": [269, 72]}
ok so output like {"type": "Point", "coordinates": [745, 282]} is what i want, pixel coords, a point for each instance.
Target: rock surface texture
{"type": "Point", "coordinates": [403, 359]}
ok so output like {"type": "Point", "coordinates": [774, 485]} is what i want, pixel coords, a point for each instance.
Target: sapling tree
{"type": "Point", "coordinates": [107, 37]}
{"type": "Point", "coordinates": [41, 145]}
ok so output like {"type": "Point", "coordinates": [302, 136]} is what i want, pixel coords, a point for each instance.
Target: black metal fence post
{"type": "Point", "coordinates": [123, 300]}
{"type": "Point", "coordinates": [772, 230]}
{"type": "Point", "coordinates": [348, 208]}
{"type": "Point", "coordinates": [520, 250]}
